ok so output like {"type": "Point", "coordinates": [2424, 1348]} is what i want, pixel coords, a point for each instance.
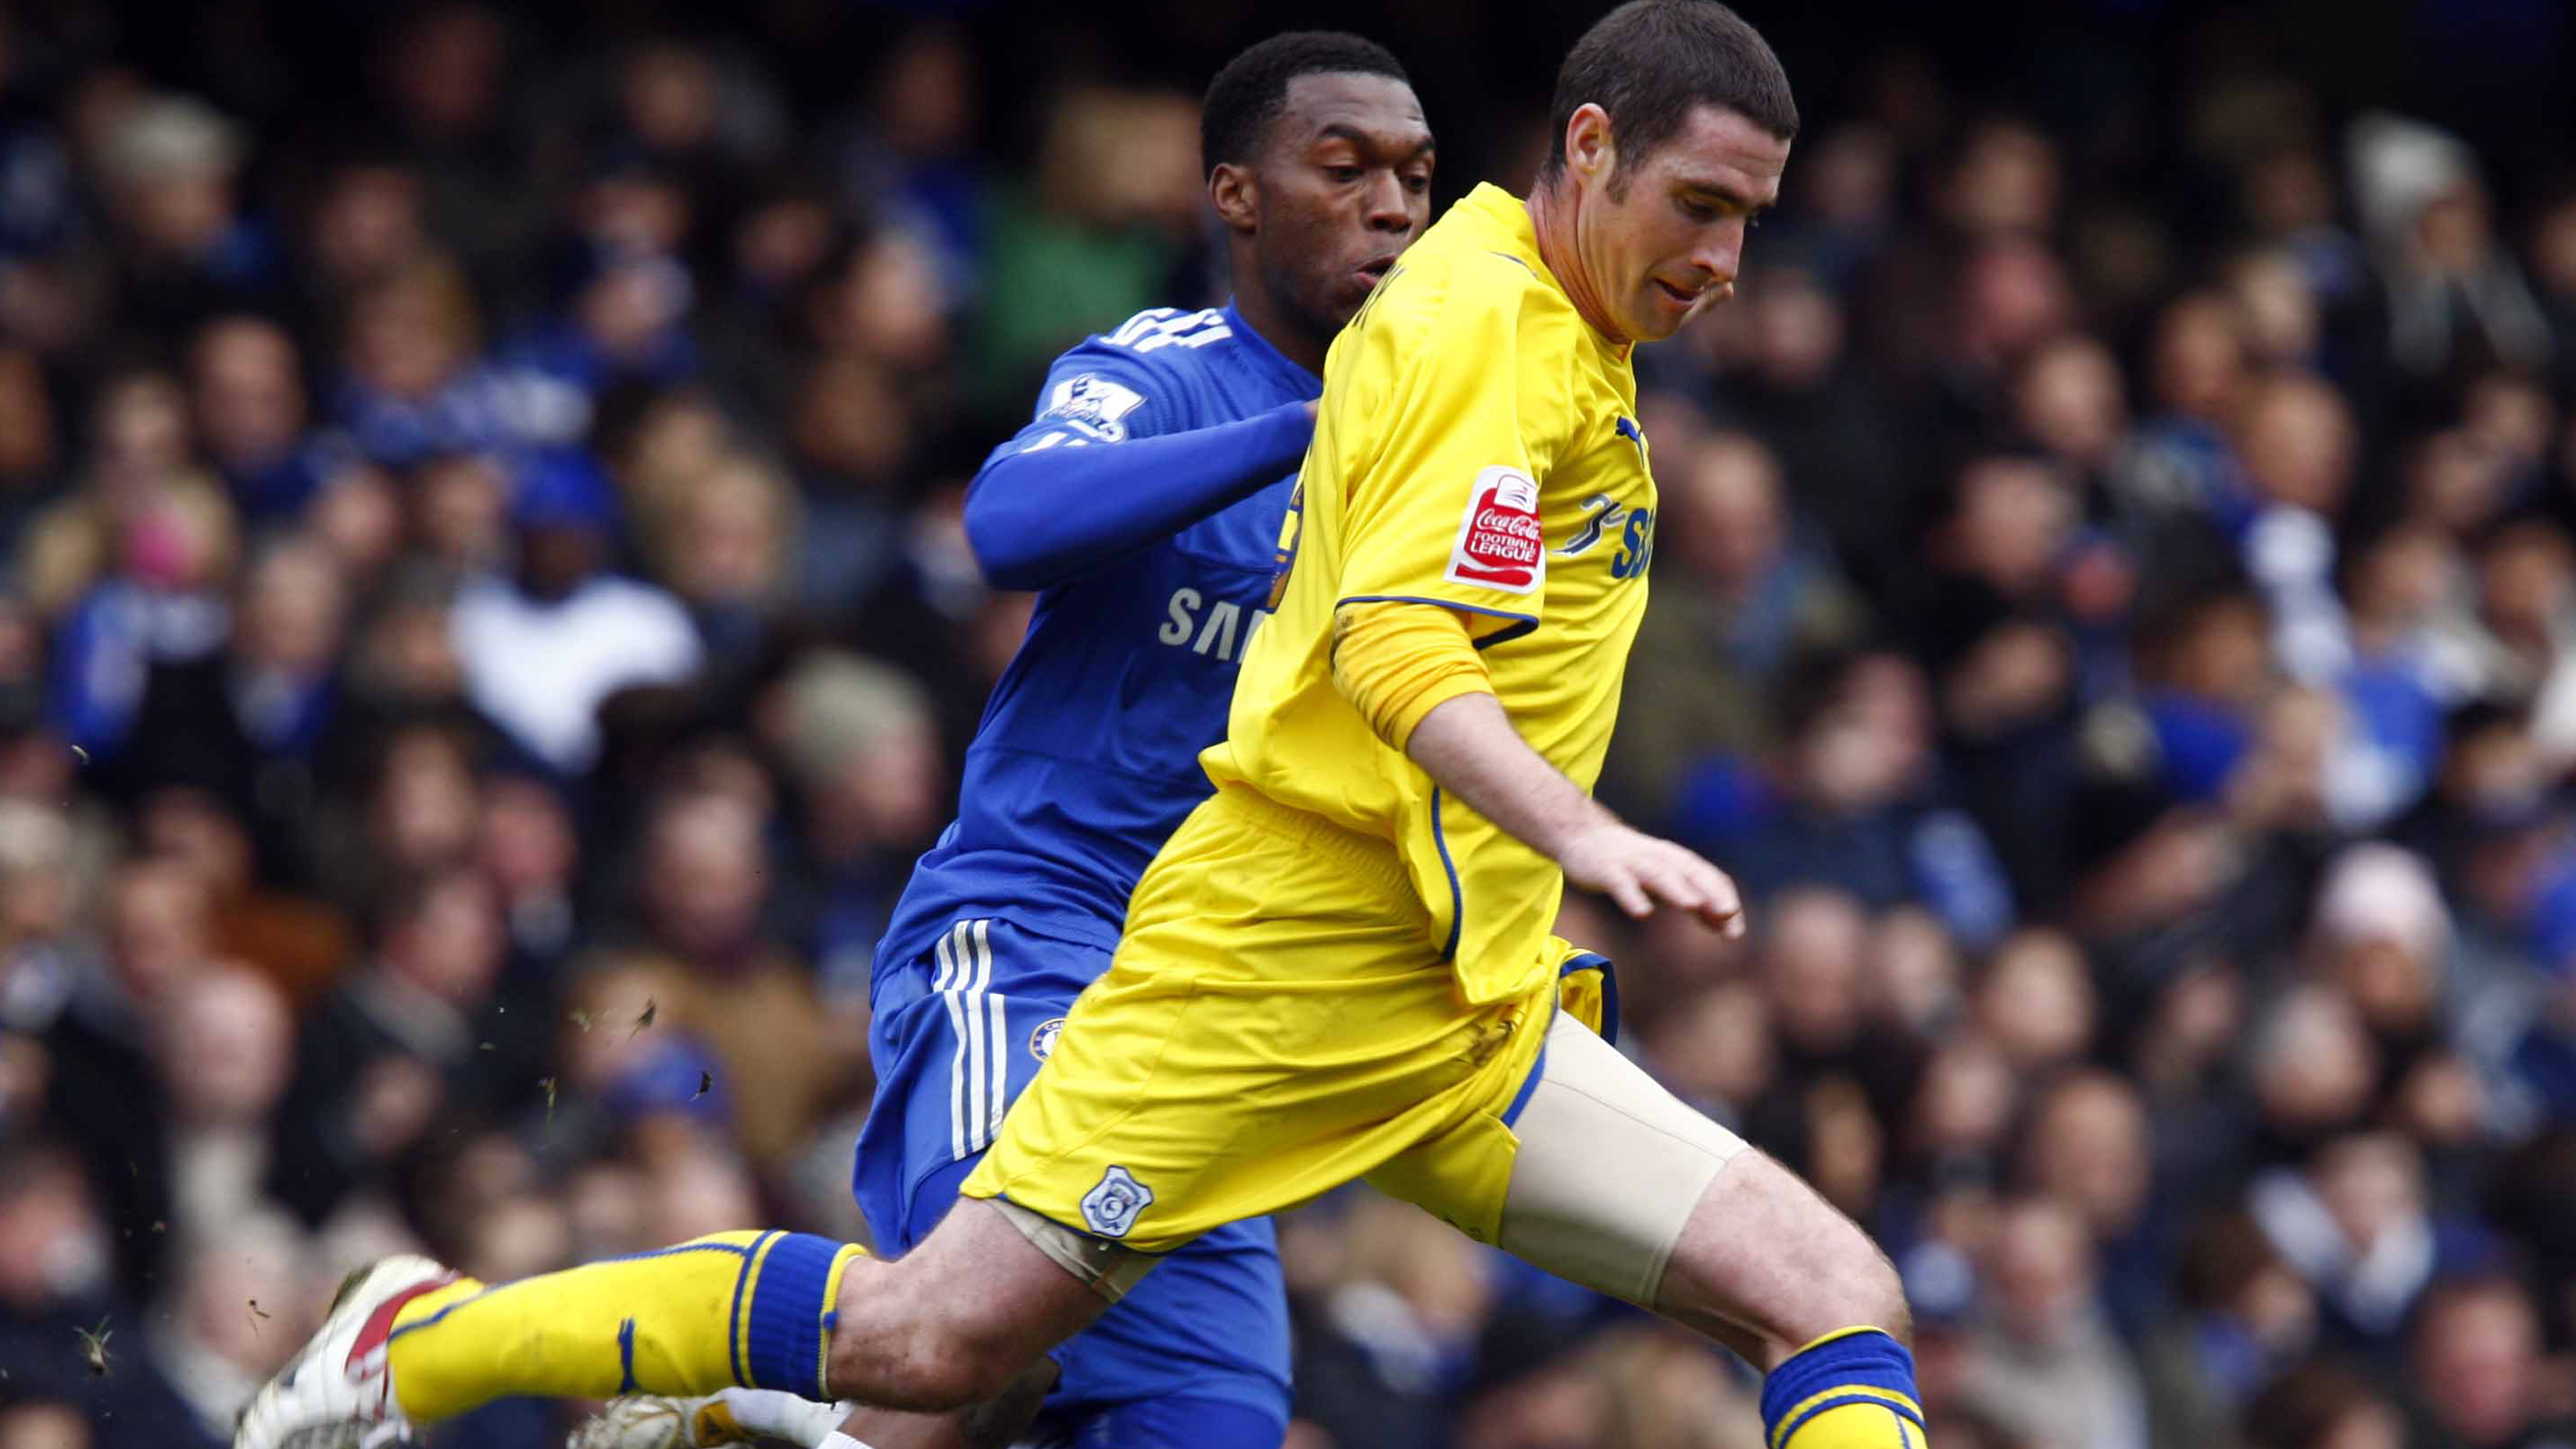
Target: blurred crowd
{"type": "Point", "coordinates": [485, 627]}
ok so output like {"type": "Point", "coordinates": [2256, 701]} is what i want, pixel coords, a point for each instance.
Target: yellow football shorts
{"type": "Point", "coordinates": [1275, 1024]}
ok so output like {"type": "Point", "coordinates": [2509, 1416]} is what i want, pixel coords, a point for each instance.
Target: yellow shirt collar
{"type": "Point", "coordinates": [1509, 218]}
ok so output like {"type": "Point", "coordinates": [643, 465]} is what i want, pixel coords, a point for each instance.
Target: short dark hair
{"type": "Point", "coordinates": [1649, 62]}
{"type": "Point", "coordinates": [1251, 91]}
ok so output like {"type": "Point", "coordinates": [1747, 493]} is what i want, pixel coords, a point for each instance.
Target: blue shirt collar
{"type": "Point", "coordinates": [1270, 356]}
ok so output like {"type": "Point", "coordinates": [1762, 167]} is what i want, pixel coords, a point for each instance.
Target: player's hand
{"type": "Point", "coordinates": [1314, 409]}
{"type": "Point", "coordinates": [1641, 873]}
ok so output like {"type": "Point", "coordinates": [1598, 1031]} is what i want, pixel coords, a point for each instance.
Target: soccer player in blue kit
{"type": "Point", "coordinates": [1144, 502]}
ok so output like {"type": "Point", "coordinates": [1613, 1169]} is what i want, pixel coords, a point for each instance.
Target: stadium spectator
{"type": "Point", "coordinates": [858, 743]}
{"type": "Point", "coordinates": [2086, 1146]}
{"type": "Point", "coordinates": [1802, 389]}
{"type": "Point", "coordinates": [2045, 1362]}
{"type": "Point", "coordinates": [2324, 1405]}
{"type": "Point", "coordinates": [415, 384]}
{"type": "Point", "coordinates": [528, 847]}
{"type": "Point", "coordinates": [401, 1037]}
{"type": "Point", "coordinates": [2477, 1372]}
{"type": "Point", "coordinates": [226, 1324]}
{"type": "Point", "coordinates": [704, 882]}
{"type": "Point", "coordinates": [169, 167]}
{"type": "Point", "coordinates": [158, 937]}
{"type": "Point", "coordinates": [57, 1286]}
{"type": "Point", "coordinates": [724, 542]}
{"type": "Point", "coordinates": [1747, 596]}
{"type": "Point", "coordinates": [221, 1050]}
{"type": "Point", "coordinates": [2240, 1316]}
{"type": "Point", "coordinates": [363, 222]}
{"type": "Point", "coordinates": [2455, 295]}
{"type": "Point", "coordinates": [247, 388]}
{"type": "Point", "coordinates": [543, 646]}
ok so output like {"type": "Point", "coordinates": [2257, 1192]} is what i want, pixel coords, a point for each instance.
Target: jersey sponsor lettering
{"type": "Point", "coordinates": [1221, 629]}
{"type": "Point", "coordinates": [1636, 546]}
{"type": "Point", "coordinates": [1499, 542]}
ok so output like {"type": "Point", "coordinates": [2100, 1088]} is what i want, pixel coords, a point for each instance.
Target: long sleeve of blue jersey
{"type": "Point", "coordinates": [1094, 477]}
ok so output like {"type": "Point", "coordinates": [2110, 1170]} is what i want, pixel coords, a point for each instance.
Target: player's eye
{"type": "Point", "coordinates": [1699, 211]}
{"type": "Point", "coordinates": [1345, 175]}
{"type": "Point", "coordinates": [1417, 183]}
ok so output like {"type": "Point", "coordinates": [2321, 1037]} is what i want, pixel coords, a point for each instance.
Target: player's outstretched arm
{"type": "Point", "coordinates": [1051, 505]}
{"type": "Point", "coordinates": [1467, 744]}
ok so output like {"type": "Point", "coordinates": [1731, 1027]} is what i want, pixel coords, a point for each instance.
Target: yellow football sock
{"type": "Point", "coordinates": [744, 1308]}
{"type": "Point", "coordinates": [1852, 1389]}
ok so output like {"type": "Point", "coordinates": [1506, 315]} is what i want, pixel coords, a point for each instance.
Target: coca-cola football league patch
{"type": "Point", "coordinates": [1499, 541]}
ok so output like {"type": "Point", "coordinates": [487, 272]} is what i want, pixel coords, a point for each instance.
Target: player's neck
{"type": "Point", "coordinates": [1256, 306]}
{"type": "Point", "coordinates": [1553, 208]}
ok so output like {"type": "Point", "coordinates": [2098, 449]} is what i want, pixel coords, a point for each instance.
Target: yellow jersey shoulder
{"type": "Point", "coordinates": [1471, 280]}
{"type": "Point", "coordinates": [1468, 267]}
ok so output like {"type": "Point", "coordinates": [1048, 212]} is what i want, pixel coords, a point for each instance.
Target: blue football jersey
{"type": "Point", "coordinates": [1087, 755]}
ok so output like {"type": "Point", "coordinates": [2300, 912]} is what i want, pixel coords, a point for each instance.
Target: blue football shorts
{"type": "Point", "coordinates": [1197, 1353]}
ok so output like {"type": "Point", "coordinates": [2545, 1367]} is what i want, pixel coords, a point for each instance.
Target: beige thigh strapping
{"type": "Point", "coordinates": [1608, 1169]}
{"type": "Point", "coordinates": [1106, 1268]}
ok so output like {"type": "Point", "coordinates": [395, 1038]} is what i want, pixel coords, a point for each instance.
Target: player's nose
{"type": "Point", "coordinates": [1387, 204]}
{"type": "Point", "coordinates": [1720, 251]}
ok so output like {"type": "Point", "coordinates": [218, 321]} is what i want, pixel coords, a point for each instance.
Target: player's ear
{"type": "Point", "coordinates": [1590, 151]}
{"type": "Point", "coordinates": [1236, 197]}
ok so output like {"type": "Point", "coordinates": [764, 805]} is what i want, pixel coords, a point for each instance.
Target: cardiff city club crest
{"type": "Point", "coordinates": [1111, 1207]}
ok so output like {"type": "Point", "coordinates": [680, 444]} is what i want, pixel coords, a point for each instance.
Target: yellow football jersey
{"type": "Point", "coordinates": [1477, 448]}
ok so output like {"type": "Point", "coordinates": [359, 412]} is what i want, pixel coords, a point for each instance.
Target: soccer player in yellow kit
{"type": "Point", "coordinates": [1341, 965]}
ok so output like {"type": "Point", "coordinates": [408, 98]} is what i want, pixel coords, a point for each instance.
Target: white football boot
{"type": "Point", "coordinates": [339, 1392]}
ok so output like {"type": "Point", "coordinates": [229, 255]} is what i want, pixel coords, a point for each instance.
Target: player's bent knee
{"type": "Point", "coordinates": [1853, 1283]}
{"type": "Point", "coordinates": [909, 1336]}
{"type": "Point", "coordinates": [959, 1319]}
{"type": "Point", "coordinates": [1766, 1252]}
{"type": "Point", "coordinates": [1877, 1295]}
{"type": "Point", "coordinates": [935, 1364]}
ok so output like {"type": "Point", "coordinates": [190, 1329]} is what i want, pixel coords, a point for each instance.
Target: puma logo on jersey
{"type": "Point", "coordinates": [1629, 429]}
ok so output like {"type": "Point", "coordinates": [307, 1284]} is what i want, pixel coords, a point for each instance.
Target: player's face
{"type": "Point", "coordinates": [1345, 185]}
{"type": "Point", "coordinates": [1668, 238]}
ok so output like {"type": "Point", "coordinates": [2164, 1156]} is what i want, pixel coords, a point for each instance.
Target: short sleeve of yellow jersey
{"type": "Point", "coordinates": [1444, 439]}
